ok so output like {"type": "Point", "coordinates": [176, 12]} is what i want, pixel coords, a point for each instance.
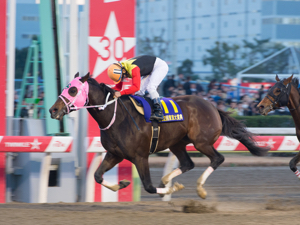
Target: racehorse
{"type": "Point", "coordinates": [202, 126]}
{"type": "Point", "coordinates": [285, 93]}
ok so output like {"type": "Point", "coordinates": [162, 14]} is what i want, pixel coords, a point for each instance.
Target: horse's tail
{"type": "Point", "coordinates": [237, 130]}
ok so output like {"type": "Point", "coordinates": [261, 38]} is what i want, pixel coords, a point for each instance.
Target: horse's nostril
{"type": "Point", "coordinates": [261, 106]}
{"type": "Point", "coordinates": [54, 110]}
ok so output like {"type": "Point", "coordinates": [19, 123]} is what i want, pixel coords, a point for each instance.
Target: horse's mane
{"type": "Point", "coordinates": [101, 86]}
{"type": "Point", "coordinates": [295, 83]}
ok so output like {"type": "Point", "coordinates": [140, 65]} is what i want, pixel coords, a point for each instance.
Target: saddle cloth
{"type": "Point", "coordinates": [171, 110]}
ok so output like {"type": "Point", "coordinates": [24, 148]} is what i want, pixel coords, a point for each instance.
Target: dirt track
{"type": "Point", "coordinates": [234, 213]}
{"type": "Point", "coordinates": [236, 195]}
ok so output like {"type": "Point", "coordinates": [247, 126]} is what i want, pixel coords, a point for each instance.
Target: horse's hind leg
{"type": "Point", "coordinates": [109, 162]}
{"type": "Point", "coordinates": [142, 166]}
{"type": "Point", "coordinates": [216, 159]}
{"type": "Point", "coordinates": [185, 161]}
{"type": "Point", "coordinates": [293, 164]}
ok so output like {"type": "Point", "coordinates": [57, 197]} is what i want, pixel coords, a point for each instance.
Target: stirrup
{"type": "Point", "coordinates": [154, 116]}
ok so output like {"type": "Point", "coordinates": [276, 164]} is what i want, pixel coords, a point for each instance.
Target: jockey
{"type": "Point", "coordinates": [146, 72]}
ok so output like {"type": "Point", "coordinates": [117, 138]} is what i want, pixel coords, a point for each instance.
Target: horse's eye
{"type": "Point", "coordinates": [72, 91]}
{"type": "Point", "coordinates": [278, 90]}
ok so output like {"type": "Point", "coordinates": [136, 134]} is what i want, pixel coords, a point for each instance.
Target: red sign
{"type": "Point", "coordinates": [111, 39]}
{"type": "Point", "coordinates": [35, 144]}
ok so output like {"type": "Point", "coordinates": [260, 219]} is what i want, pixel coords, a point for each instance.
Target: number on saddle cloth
{"type": "Point", "coordinates": [171, 110]}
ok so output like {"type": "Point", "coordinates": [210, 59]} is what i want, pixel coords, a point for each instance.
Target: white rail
{"type": "Point", "coordinates": [272, 130]}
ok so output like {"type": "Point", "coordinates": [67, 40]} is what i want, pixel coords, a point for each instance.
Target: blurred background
{"type": "Point", "coordinates": [226, 51]}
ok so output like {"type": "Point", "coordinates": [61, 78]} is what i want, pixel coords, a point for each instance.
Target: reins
{"type": "Point", "coordinates": [115, 111]}
{"type": "Point", "coordinates": [295, 107]}
{"type": "Point", "coordinates": [70, 106]}
{"type": "Point", "coordinates": [102, 107]}
{"type": "Point", "coordinates": [129, 114]}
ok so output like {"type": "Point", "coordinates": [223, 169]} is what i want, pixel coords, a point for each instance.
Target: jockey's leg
{"type": "Point", "coordinates": [157, 113]}
{"type": "Point", "coordinates": [159, 72]}
{"type": "Point", "coordinates": [144, 84]}
{"type": "Point", "coordinates": [109, 162]}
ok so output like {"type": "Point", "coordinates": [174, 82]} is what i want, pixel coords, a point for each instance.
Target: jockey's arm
{"type": "Point", "coordinates": [136, 82]}
{"type": "Point", "coordinates": [118, 86]}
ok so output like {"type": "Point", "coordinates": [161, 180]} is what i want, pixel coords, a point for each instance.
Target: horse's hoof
{"type": "Point", "coordinates": [123, 184]}
{"type": "Point", "coordinates": [161, 185]}
{"type": "Point", "coordinates": [201, 192]}
{"type": "Point", "coordinates": [177, 187]}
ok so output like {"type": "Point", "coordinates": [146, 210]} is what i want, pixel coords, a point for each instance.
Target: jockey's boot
{"type": "Point", "coordinates": [157, 113]}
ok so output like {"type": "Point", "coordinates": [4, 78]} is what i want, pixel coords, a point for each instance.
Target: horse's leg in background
{"type": "Point", "coordinates": [216, 159]}
{"type": "Point", "coordinates": [186, 164]}
{"type": "Point", "coordinates": [296, 159]}
{"type": "Point", "coordinates": [109, 162]}
{"type": "Point", "coordinates": [142, 166]}
{"type": "Point", "coordinates": [293, 164]}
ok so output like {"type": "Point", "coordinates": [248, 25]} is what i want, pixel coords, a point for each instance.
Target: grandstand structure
{"type": "Point", "coordinates": [284, 63]}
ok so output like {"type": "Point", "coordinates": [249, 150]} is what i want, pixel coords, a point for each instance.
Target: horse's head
{"type": "Point", "coordinates": [73, 96]}
{"type": "Point", "coordinates": [277, 96]}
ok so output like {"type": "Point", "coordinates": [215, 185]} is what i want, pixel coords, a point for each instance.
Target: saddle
{"type": "Point", "coordinates": [138, 106]}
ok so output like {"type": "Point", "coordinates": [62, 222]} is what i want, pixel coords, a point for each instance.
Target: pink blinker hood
{"type": "Point", "coordinates": [80, 99]}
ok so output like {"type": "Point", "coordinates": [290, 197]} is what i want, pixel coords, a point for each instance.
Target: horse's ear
{"type": "Point", "coordinates": [76, 75]}
{"type": "Point", "coordinates": [277, 78]}
{"type": "Point", "coordinates": [288, 80]}
{"type": "Point", "coordinates": [85, 78]}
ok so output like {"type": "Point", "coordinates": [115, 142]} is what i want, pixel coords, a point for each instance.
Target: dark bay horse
{"type": "Point", "coordinates": [285, 93]}
{"type": "Point", "coordinates": [202, 126]}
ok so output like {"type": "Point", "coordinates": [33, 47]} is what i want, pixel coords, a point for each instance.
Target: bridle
{"type": "Point", "coordinates": [72, 105]}
{"type": "Point", "coordinates": [283, 98]}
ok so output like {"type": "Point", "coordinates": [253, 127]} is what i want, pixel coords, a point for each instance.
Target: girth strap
{"type": "Point", "coordinates": [155, 136]}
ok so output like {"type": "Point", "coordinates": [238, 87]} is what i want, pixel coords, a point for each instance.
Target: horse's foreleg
{"type": "Point", "coordinates": [142, 166]}
{"type": "Point", "coordinates": [216, 159]}
{"type": "Point", "coordinates": [109, 162]}
{"type": "Point", "coordinates": [293, 164]}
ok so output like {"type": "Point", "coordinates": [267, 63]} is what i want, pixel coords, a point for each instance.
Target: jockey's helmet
{"type": "Point", "coordinates": [114, 72]}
